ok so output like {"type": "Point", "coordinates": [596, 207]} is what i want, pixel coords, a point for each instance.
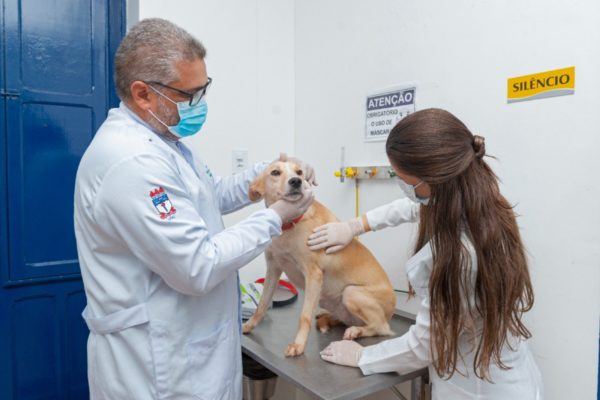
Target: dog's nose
{"type": "Point", "coordinates": [295, 182]}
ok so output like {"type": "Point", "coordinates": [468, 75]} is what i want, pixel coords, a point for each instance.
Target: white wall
{"type": "Point", "coordinates": [293, 76]}
{"type": "Point", "coordinates": [250, 56]}
{"type": "Point", "coordinates": [460, 54]}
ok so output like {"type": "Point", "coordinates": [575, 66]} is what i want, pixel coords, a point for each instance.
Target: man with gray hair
{"type": "Point", "coordinates": [158, 266]}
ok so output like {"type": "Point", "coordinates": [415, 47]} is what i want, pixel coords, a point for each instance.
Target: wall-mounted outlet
{"type": "Point", "coordinates": [239, 160]}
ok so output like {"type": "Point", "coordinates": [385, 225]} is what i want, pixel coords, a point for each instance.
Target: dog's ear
{"type": "Point", "coordinates": [257, 188]}
{"type": "Point", "coordinates": [283, 157]}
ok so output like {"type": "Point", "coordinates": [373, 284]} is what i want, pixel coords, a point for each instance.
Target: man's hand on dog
{"type": "Point", "coordinates": [288, 210]}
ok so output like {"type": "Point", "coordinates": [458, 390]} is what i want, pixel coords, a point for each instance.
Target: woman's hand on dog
{"type": "Point", "coordinates": [335, 236]}
{"type": "Point", "coordinates": [343, 352]}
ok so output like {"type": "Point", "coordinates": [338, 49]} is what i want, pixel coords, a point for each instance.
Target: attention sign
{"type": "Point", "coordinates": [384, 110]}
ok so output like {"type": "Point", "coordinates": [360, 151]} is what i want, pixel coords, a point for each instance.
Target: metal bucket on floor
{"type": "Point", "coordinates": [259, 382]}
{"type": "Point", "coordinates": [262, 389]}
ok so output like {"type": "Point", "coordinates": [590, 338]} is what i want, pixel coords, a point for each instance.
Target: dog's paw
{"type": "Point", "coordinates": [294, 350]}
{"type": "Point", "coordinates": [323, 323]}
{"type": "Point", "coordinates": [247, 327]}
{"type": "Point", "coordinates": [352, 333]}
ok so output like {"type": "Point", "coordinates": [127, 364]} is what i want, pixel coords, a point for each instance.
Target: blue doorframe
{"type": "Point", "coordinates": [56, 86]}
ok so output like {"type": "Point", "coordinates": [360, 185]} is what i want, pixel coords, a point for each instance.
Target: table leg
{"type": "Point", "coordinates": [420, 388]}
{"type": "Point", "coordinates": [395, 390]}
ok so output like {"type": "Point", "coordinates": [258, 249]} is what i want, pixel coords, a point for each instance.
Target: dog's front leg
{"type": "Point", "coordinates": [312, 293]}
{"type": "Point", "coordinates": [271, 281]}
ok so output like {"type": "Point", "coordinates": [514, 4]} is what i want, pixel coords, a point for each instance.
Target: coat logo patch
{"type": "Point", "coordinates": [161, 202]}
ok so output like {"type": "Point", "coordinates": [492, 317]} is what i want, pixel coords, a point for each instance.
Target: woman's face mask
{"type": "Point", "coordinates": [191, 118]}
{"type": "Point", "coordinates": [409, 190]}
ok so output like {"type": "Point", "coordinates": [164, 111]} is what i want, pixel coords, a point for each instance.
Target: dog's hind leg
{"type": "Point", "coordinates": [325, 321]}
{"type": "Point", "coordinates": [361, 303]}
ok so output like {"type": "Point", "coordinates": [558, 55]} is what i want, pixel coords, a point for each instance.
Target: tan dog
{"type": "Point", "coordinates": [350, 284]}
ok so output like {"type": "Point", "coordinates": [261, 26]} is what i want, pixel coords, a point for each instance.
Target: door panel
{"type": "Point", "coordinates": [55, 91]}
{"type": "Point", "coordinates": [57, 44]}
{"type": "Point", "coordinates": [75, 345]}
{"type": "Point", "coordinates": [42, 178]}
{"type": "Point", "coordinates": [40, 382]}
{"type": "Point", "coordinates": [2, 47]}
{"type": "Point", "coordinates": [3, 191]}
{"type": "Point", "coordinates": [56, 47]}
{"type": "Point", "coordinates": [43, 342]}
{"type": "Point", "coordinates": [4, 353]}
{"type": "Point", "coordinates": [3, 194]}
{"type": "Point", "coordinates": [59, 77]}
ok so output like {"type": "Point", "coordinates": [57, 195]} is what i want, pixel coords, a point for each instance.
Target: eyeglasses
{"type": "Point", "coordinates": [194, 97]}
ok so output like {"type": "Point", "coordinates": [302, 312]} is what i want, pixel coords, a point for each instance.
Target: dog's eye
{"type": "Point", "coordinates": [299, 172]}
{"type": "Point", "coordinates": [275, 172]}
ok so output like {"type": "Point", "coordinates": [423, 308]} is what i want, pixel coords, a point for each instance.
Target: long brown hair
{"type": "Point", "coordinates": [438, 148]}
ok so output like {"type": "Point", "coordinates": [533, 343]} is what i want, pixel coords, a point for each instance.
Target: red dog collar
{"type": "Point", "coordinates": [290, 225]}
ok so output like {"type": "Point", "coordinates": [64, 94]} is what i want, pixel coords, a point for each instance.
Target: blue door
{"type": "Point", "coordinates": [56, 89]}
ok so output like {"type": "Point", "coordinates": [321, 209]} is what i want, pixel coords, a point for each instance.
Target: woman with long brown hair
{"type": "Point", "coordinates": [469, 268]}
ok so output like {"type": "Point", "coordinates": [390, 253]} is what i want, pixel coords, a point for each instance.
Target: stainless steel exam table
{"type": "Point", "coordinates": [267, 342]}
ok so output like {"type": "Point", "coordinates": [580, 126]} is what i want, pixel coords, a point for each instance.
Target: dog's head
{"type": "Point", "coordinates": [281, 179]}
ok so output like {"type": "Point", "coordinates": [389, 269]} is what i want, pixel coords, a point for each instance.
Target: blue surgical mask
{"type": "Point", "coordinates": [409, 191]}
{"type": "Point", "coordinates": [191, 118]}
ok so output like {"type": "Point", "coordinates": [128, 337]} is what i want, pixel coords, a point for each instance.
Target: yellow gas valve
{"type": "Point", "coordinates": [350, 172]}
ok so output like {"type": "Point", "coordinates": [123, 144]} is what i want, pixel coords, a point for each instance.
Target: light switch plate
{"type": "Point", "coordinates": [239, 160]}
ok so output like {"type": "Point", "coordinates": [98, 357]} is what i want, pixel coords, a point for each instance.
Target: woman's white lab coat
{"type": "Point", "coordinates": [159, 268]}
{"type": "Point", "coordinates": [412, 350]}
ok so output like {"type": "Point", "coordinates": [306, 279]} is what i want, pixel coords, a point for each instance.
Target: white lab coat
{"type": "Point", "coordinates": [161, 281]}
{"type": "Point", "coordinates": [412, 350]}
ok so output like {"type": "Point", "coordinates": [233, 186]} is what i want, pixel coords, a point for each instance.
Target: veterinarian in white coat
{"type": "Point", "coordinates": [413, 350]}
{"type": "Point", "coordinates": [158, 266]}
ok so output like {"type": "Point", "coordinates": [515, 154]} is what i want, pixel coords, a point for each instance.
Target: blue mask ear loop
{"type": "Point", "coordinates": [154, 115]}
{"type": "Point", "coordinates": [158, 119]}
{"type": "Point", "coordinates": [162, 94]}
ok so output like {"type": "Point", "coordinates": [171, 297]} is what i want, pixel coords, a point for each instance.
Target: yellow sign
{"type": "Point", "coordinates": [559, 82]}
